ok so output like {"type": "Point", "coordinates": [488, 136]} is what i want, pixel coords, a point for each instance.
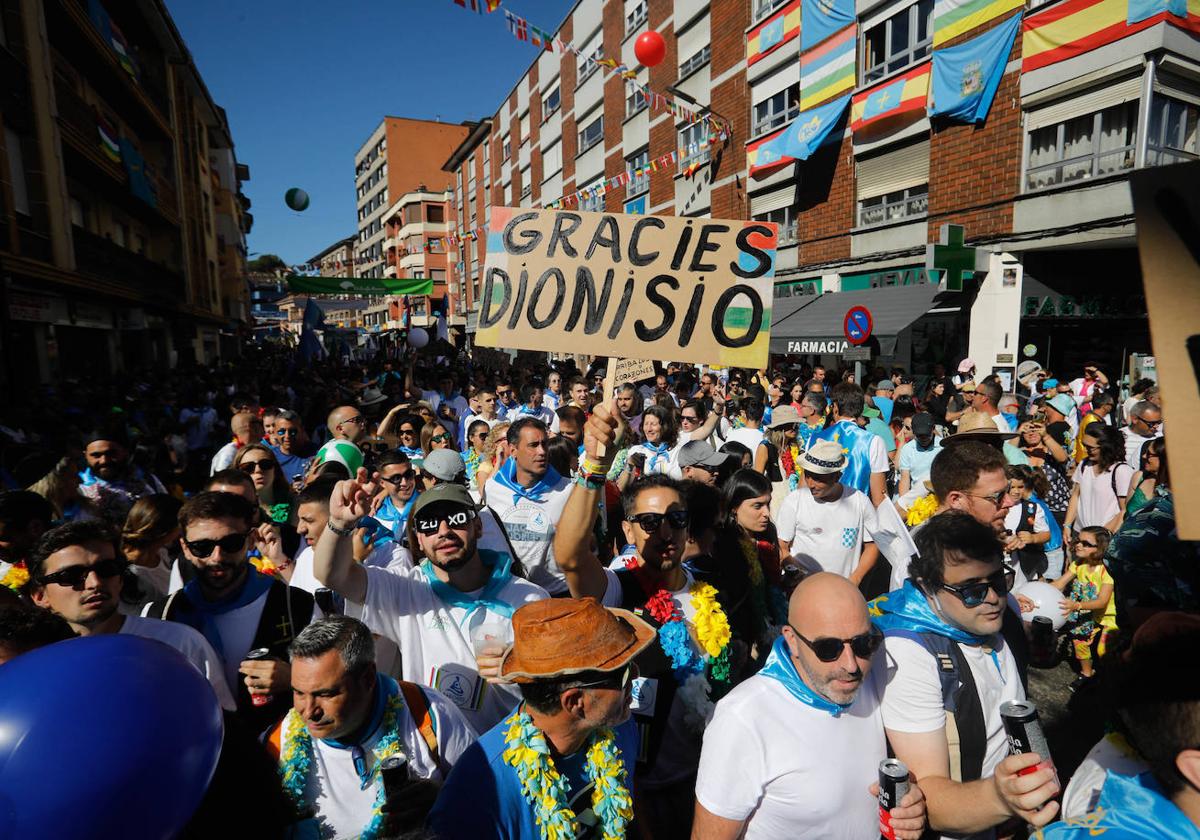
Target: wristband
{"type": "Point", "coordinates": [589, 467]}
{"type": "Point", "coordinates": [344, 532]}
{"type": "Point", "coordinates": [591, 481]}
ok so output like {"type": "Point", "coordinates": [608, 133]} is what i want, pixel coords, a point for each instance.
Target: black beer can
{"type": "Point", "coordinates": [394, 770]}
{"type": "Point", "coordinates": [893, 786]}
{"type": "Point", "coordinates": [1024, 731]}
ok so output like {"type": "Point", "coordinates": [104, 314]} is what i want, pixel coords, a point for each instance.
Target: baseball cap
{"type": "Point", "coordinates": [965, 365]}
{"type": "Point", "coordinates": [885, 385]}
{"type": "Point", "coordinates": [922, 423]}
{"type": "Point", "coordinates": [449, 494]}
{"type": "Point", "coordinates": [444, 465]}
{"type": "Point", "coordinates": [699, 453]}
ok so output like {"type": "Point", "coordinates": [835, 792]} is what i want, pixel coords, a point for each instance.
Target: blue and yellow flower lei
{"type": "Point", "coordinates": [296, 760]}
{"type": "Point", "coordinates": [526, 750]}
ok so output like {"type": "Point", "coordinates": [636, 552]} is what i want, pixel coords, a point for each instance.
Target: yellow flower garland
{"type": "Point", "coordinates": [15, 578]}
{"type": "Point", "coordinates": [712, 627]}
{"type": "Point", "coordinates": [921, 509]}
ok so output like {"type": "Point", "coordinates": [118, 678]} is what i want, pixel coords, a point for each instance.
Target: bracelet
{"type": "Point", "coordinates": [591, 481]}
{"type": "Point", "coordinates": [344, 532]}
{"type": "Point", "coordinates": [587, 465]}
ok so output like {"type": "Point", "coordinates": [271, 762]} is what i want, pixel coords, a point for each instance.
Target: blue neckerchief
{"type": "Point", "coordinates": [385, 689]}
{"type": "Point", "coordinates": [501, 565]}
{"type": "Point", "coordinates": [657, 450]}
{"type": "Point", "coordinates": [779, 667]}
{"type": "Point", "coordinates": [1056, 535]}
{"type": "Point", "coordinates": [391, 521]}
{"type": "Point", "coordinates": [506, 477]}
{"type": "Point", "coordinates": [1130, 808]}
{"type": "Point", "coordinates": [856, 444]}
{"type": "Point", "coordinates": [255, 586]}
{"type": "Point", "coordinates": [907, 608]}
{"type": "Point", "coordinates": [413, 452]}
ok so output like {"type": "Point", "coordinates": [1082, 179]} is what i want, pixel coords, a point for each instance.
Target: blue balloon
{"type": "Point", "coordinates": [104, 737]}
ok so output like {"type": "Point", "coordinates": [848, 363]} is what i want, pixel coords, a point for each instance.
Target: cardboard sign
{"type": "Point", "coordinates": [1166, 202]}
{"type": "Point", "coordinates": [660, 287]}
{"type": "Point", "coordinates": [632, 370]}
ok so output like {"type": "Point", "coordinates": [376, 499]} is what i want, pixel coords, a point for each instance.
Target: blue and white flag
{"type": "Point", "coordinates": [1140, 10]}
{"type": "Point", "coordinates": [819, 19]}
{"type": "Point", "coordinates": [812, 129]}
{"type": "Point", "coordinates": [965, 77]}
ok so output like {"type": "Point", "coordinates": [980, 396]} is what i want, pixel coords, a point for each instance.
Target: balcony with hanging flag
{"type": "Point", "coordinates": [891, 104]}
{"type": "Point", "coordinates": [1076, 27]}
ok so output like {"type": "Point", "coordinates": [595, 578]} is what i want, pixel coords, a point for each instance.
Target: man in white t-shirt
{"type": "Point", "coordinates": [527, 495]}
{"type": "Point", "coordinates": [76, 572]}
{"type": "Point", "coordinates": [247, 428]}
{"type": "Point", "coordinates": [817, 688]}
{"type": "Point", "coordinates": [955, 648]}
{"type": "Point", "coordinates": [824, 525]}
{"type": "Point", "coordinates": [451, 615]}
{"type": "Point", "coordinates": [916, 456]}
{"type": "Point", "coordinates": [351, 717]}
{"type": "Point", "coordinates": [749, 431]}
{"type": "Point", "coordinates": [1145, 423]}
{"type": "Point", "coordinates": [532, 406]}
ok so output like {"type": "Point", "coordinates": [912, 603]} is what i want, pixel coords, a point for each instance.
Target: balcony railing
{"type": "Point", "coordinates": [96, 256]}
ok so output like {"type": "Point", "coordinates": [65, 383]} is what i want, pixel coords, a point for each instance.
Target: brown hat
{"type": "Point", "coordinates": [975, 425]}
{"type": "Point", "coordinates": [557, 637]}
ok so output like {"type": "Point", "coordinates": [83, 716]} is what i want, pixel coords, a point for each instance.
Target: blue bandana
{"type": "Point", "coordinates": [907, 608]}
{"type": "Point", "coordinates": [413, 452]}
{"type": "Point", "coordinates": [506, 477]}
{"type": "Point", "coordinates": [385, 689]}
{"type": "Point", "coordinates": [779, 667]}
{"type": "Point", "coordinates": [1130, 808]}
{"type": "Point", "coordinates": [657, 450]}
{"type": "Point", "coordinates": [488, 599]}
{"type": "Point", "coordinates": [388, 522]}
{"type": "Point", "coordinates": [255, 586]}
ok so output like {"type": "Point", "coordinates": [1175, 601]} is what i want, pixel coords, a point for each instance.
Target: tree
{"type": "Point", "coordinates": [267, 263]}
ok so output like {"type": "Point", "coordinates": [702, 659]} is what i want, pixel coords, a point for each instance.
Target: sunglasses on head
{"type": "Point", "coordinates": [974, 594]}
{"type": "Point", "coordinates": [228, 543]}
{"type": "Point", "coordinates": [73, 577]}
{"type": "Point", "coordinates": [429, 523]}
{"type": "Point", "coordinates": [256, 466]}
{"type": "Point", "coordinates": [828, 649]}
{"type": "Point", "coordinates": [399, 478]}
{"type": "Point", "coordinates": [651, 522]}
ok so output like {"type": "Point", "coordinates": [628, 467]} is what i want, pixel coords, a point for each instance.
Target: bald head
{"type": "Point", "coordinates": [828, 607]}
{"type": "Point", "coordinates": [346, 423]}
{"type": "Point", "coordinates": [246, 427]}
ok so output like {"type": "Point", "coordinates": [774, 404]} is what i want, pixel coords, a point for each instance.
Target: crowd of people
{"type": "Point", "coordinates": [705, 605]}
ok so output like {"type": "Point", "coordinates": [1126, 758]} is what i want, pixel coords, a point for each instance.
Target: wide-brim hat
{"type": "Point", "coordinates": [783, 415]}
{"type": "Point", "coordinates": [1063, 404]}
{"type": "Point", "coordinates": [371, 396]}
{"type": "Point", "coordinates": [977, 426]}
{"type": "Point", "coordinates": [558, 637]}
{"type": "Point", "coordinates": [824, 457]}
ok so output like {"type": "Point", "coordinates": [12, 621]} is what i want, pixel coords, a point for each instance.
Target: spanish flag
{"type": "Point", "coordinates": [773, 32]}
{"type": "Point", "coordinates": [1079, 26]}
{"type": "Point", "coordinates": [901, 95]}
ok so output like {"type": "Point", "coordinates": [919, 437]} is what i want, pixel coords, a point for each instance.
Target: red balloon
{"type": "Point", "coordinates": [650, 48]}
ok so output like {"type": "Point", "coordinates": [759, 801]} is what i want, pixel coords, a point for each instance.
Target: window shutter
{"type": "Point", "coordinates": [774, 200]}
{"type": "Point", "coordinates": [690, 42]}
{"type": "Point", "coordinates": [1086, 103]}
{"type": "Point", "coordinates": [894, 170]}
{"type": "Point", "coordinates": [787, 76]}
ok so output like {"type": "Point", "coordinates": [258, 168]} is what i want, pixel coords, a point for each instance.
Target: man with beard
{"type": "Point", "coordinates": [819, 687]}
{"type": "Point", "coordinates": [670, 703]}
{"type": "Point", "coordinates": [76, 572]}
{"type": "Point", "coordinates": [573, 662]}
{"type": "Point", "coordinates": [238, 609]}
{"type": "Point", "coordinates": [110, 482]}
{"type": "Point", "coordinates": [955, 647]}
{"type": "Point", "coordinates": [451, 615]}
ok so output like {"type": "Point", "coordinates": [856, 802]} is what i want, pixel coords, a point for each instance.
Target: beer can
{"type": "Point", "coordinates": [394, 770]}
{"type": "Point", "coordinates": [1024, 731]}
{"type": "Point", "coordinates": [893, 786]}
{"type": "Point", "coordinates": [259, 653]}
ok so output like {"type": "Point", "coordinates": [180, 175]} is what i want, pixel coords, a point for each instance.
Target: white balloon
{"type": "Point", "coordinates": [417, 338]}
{"type": "Point", "coordinates": [1045, 598]}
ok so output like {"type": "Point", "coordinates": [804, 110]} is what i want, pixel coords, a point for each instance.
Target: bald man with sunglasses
{"type": "Point", "coordinates": [818, 688]}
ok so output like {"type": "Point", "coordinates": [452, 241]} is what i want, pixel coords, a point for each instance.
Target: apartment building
{"type": "Point", "coordinates": [1032, 202]}
{"type": "Point", "coordinates": [122, 222]}
{"type": "Point", "coordinates": [416, 227]}
{"type": "Point", "coordinates": [337, 260]}
{"type": "Point", "coordinates": [400, 156]}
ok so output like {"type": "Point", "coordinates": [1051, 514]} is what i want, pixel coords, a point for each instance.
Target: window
{"type": "Point", "coordinates": [911, 201]}
{"type": "Point", "coordinates": [592, 202]}
{"type": "Point", "coordinates": [635, 102]}
{"type": "Point", "coordinates": [1172, 133]}
{"type": "Point", "coordinates": [776, 110]}
{"type": "Point", "coordinates": [695, 62]}
{"type": "Point", "coordinates": [526, 188]}
{"type": "Point", "coordinates": [551, 102]}
{"type": "Point", "coordinates": [635, 17]}
{"type": "Point", "coordinates": [762, 8]}
{"type": "Point", "coordinates": [785, 217]}
{"type": "Point", "coordinates": [591, 134]}
{"type": "Point", "coordinates": [435, 213]}
{"type": "Point", "coordinates": [588, 65]}
{"type": "Point", "coordinates": [693, 144]}
{"type": "Point", "coordinates": [507, 148]}
{"type": "Point", "coordinates": [1083, 147]}
{"type": "Point", "coordinates": [903, 39]}
{"type": "Point", "coordinates": [637, 183]}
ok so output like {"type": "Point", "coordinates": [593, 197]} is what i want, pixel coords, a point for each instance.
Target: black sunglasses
{"type": "Point", "coordinates": [616, 679]}
{"type": "Point", "coordinates": [256, 466]}
{"type": "Point", "coordinates": [228, 543]}
{"type": "Point", "coordinates": [828, 649]}
{"type": "Point", "coordinates": [407, 432]}
{"type": "Point", "coordinates": [73, 577]}
{"type": "Point", "coordinates": [974, 594]}
{"type": "Point", "coordinates": [1087, 544]}
{"type": "Point", "coordinates": [431, 522]}
{"type": "Point", "coordinates": [651, 522]}
{"type": "Point", "coordinates": [399, 478]}
{"type": "Point", "coordinates": [286, 432]}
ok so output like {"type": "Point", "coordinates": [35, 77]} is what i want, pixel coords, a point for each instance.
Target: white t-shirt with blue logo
{"type": "Point", "coordinates": [827, 536]}
{"type": "Point", "coordinates": [531, 526]}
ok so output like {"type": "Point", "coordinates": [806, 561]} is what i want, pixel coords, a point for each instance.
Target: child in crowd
{"type": "Point", "coordinates": [1090, 608]}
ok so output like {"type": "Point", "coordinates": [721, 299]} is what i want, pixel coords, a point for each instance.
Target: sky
{"type": "Point", "coordinates": [305, 82]}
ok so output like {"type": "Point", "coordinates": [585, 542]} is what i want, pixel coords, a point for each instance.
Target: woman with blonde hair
{"type": "Point", "coordinates": [495, 453]}
{"type": "Point", "coordinates": [274, 493]}
{"type": "Point", "coordinates": [60, 487]}
{"type": "Point", "coordinates": [150, 531]}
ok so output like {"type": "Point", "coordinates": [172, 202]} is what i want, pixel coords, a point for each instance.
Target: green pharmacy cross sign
{"type": "Point", "coordinates": [952, 256]}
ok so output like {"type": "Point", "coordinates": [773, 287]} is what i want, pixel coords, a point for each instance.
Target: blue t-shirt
{"type": "Point", "coordinates": [884, 431]}
{"type": "Point", "coordinates": [482, 798]}
{"type": "Point", "coordinates": [885, 406]}
{"type": "Point", "coordinates": [918, 461]}
{"type": "Point", "coordinates": [290, 464]}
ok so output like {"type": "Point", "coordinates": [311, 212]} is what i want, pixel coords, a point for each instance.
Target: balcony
{"type": "Point", "coordinates": [97, 257]}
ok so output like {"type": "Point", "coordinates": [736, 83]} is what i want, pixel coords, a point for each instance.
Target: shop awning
{"type": "Point", "coordinates": [815, 326]}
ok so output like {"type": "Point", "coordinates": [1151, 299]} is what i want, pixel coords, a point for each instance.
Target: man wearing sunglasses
{"type": "Point", "coordinates": [237, 608]}
{"type": "Point", "coordinates": [76, 572]}
{"type": "Point", "coordinates": [1145, 423]}
{"type": "Point", "coordinates": [956, 651]}
{"type": "Point", "coordinates": [388, 525]}
{"type": "Point", "coordinates": [434, 610]}
{"type": "Point", "coordinates": [286, 445]}
{"type": "Point", "coordinates": [347, 423]}
{"type": "Point", "coordinates": [820, 687]}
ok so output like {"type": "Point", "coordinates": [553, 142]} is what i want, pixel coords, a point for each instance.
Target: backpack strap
{"type": "Point", "coordinates": [274, 740]}
{"type": "Point", "coordinates": [418, 707]}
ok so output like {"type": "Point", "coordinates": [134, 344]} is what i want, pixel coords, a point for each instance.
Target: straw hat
{"type": "Point", "coordinates": [824, 457]}
{"type": "Point", "coordinates": [977, 426]}
{"type": "Point", "coordinates": [783, 415]}
{"type": "Point", "coordinates": [558, 637]}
